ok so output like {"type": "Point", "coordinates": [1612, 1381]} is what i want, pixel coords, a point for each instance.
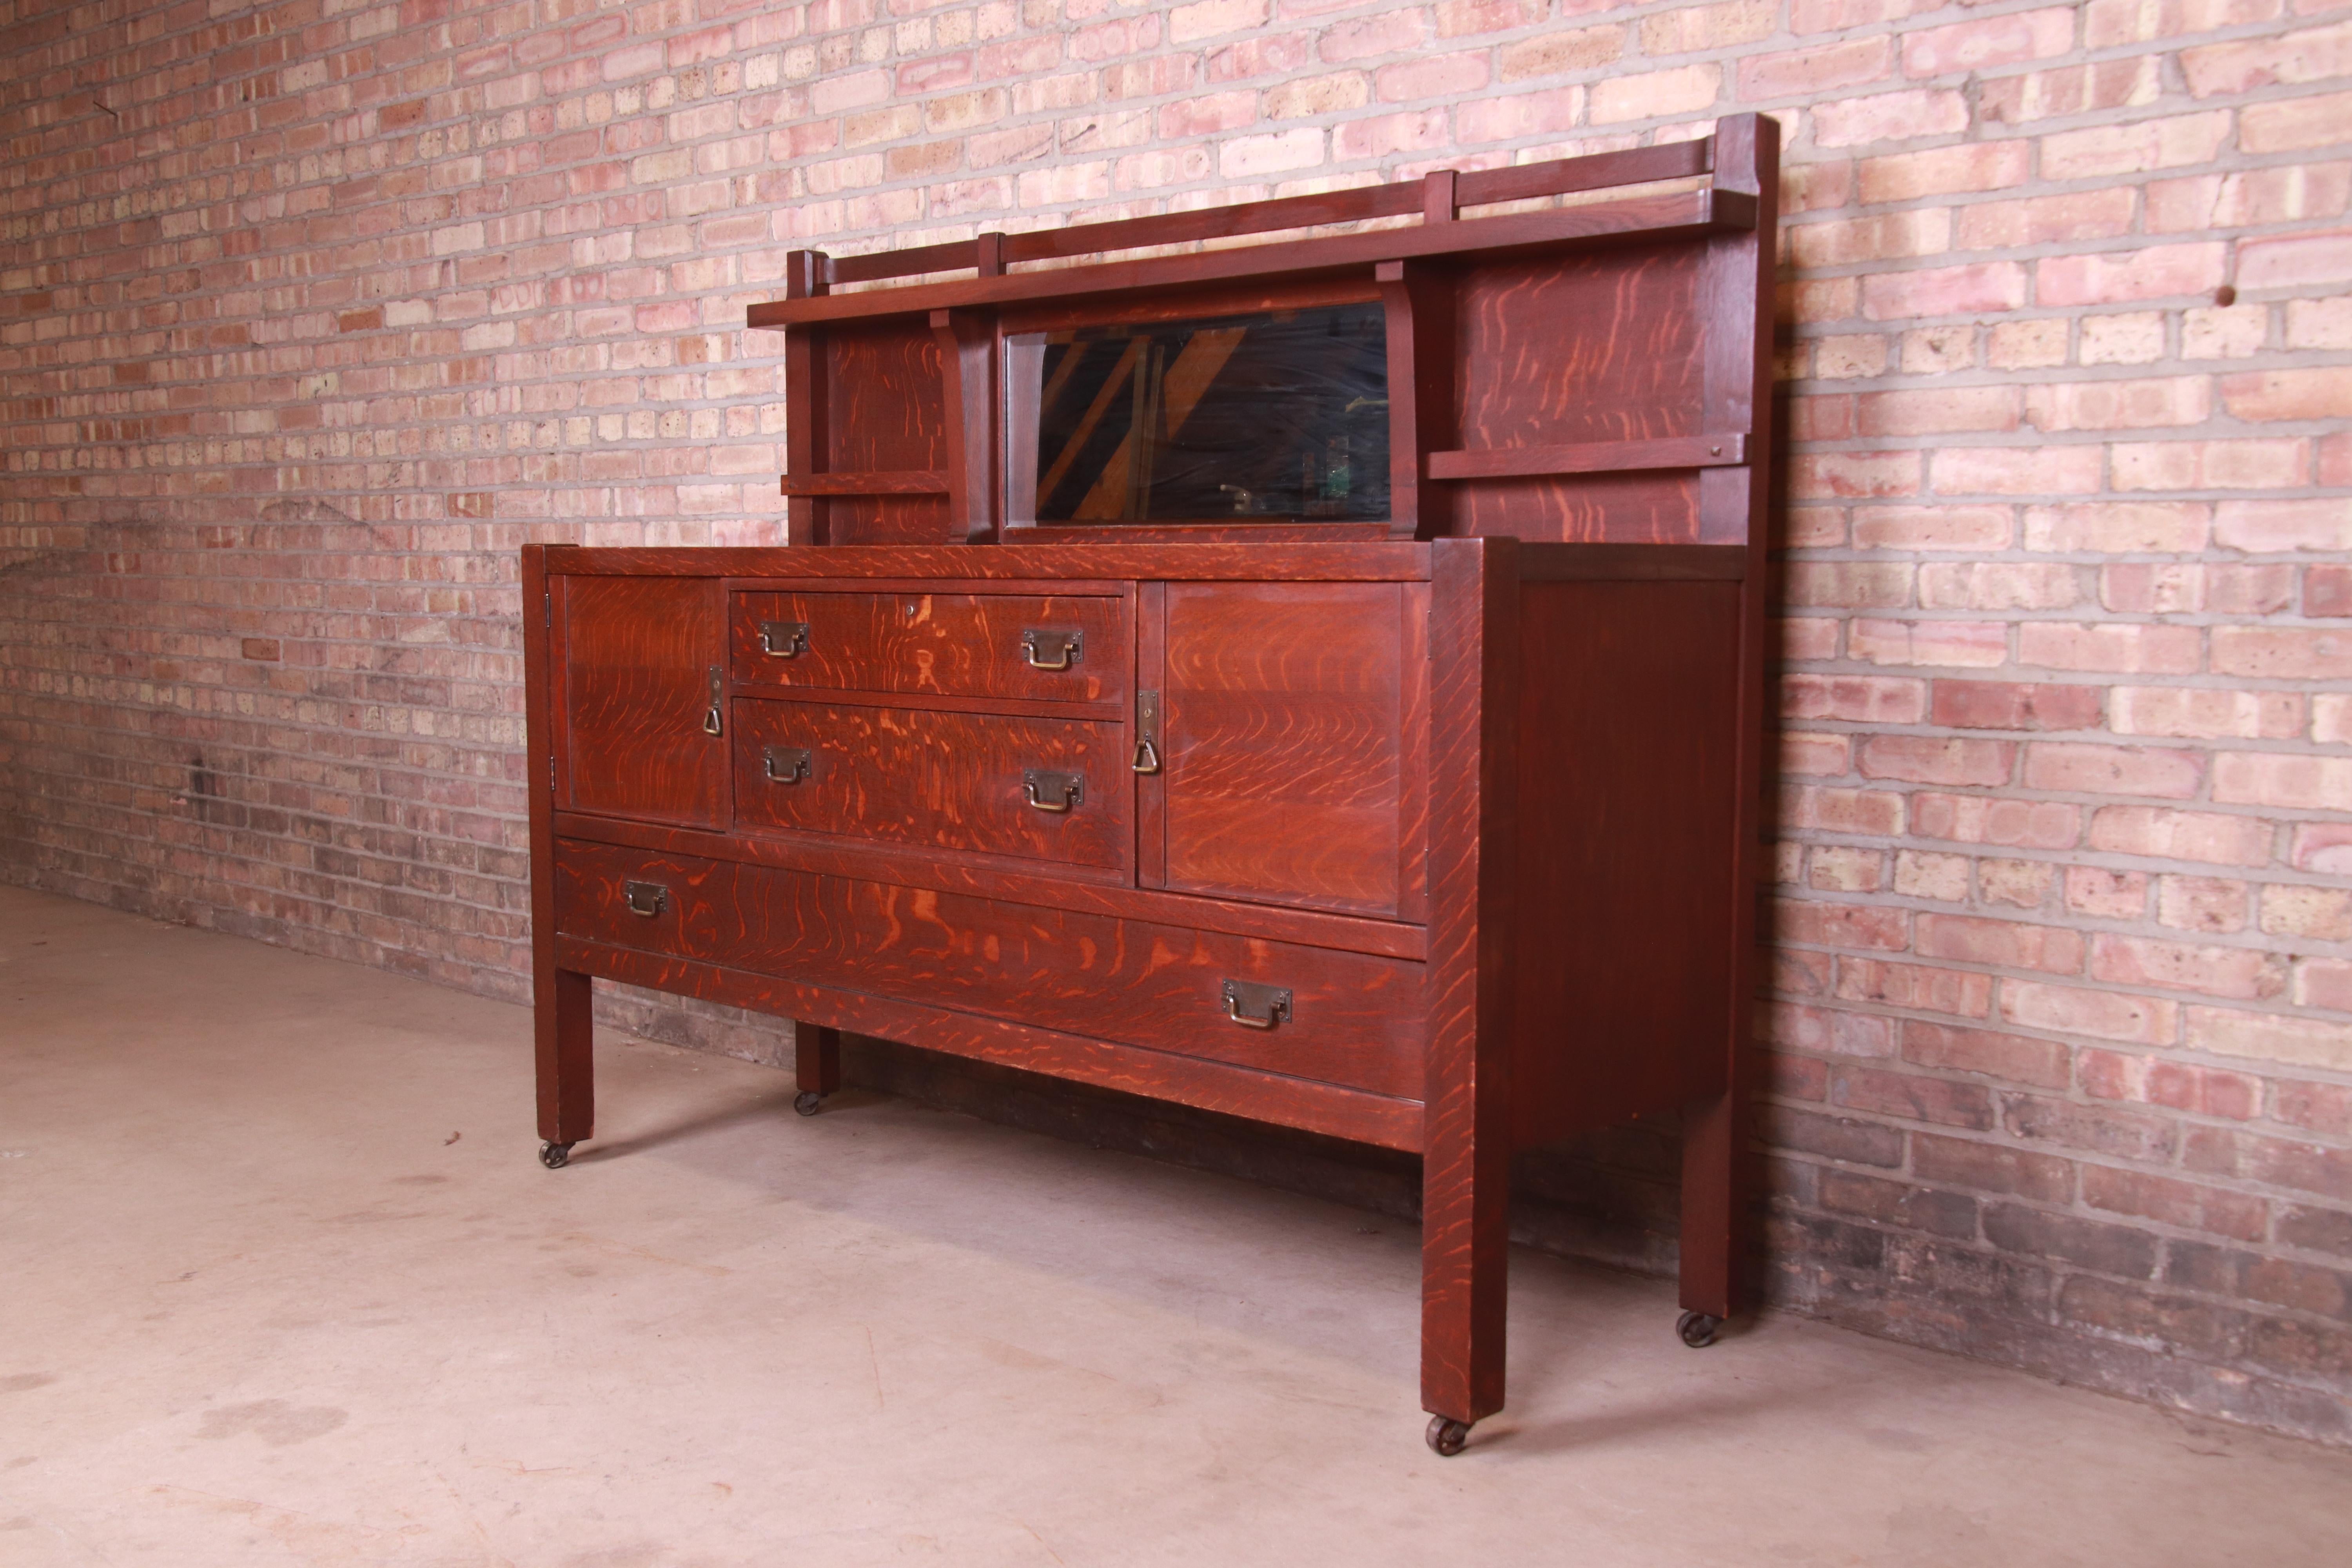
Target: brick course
{"type": "Point", "coordinates": [312, 313]}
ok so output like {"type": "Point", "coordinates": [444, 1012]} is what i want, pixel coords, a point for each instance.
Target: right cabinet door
{"type": "Point", "coordinates": [1294, 730]}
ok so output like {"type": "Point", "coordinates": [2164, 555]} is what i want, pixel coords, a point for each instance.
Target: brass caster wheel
{"type": "Point", "coordinates": [1447, 1436]}
{"type": "Point", "coordinates": [806, 1101]}
{"type": "Point", "coordinates": [555, 1156]}
{"type": "Point", "coordinates": [1697, 1328]}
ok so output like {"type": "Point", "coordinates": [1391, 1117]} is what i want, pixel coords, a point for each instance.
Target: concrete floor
{"type": "Point", "coordinates": [282, 1282]}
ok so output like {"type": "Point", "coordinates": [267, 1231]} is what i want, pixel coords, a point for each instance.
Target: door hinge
{"type": "Point", "coordinates": [551, 775]}
{"type": "Point", "coordinates": [547, 610]}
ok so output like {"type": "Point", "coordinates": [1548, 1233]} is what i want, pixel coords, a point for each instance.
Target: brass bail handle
{"type": "Point", "coordinates": [1068, 646]}
{"type": "Point", "coordinates": [1050, 791]}
{"type": "Point", "coordinates": [712, 723]}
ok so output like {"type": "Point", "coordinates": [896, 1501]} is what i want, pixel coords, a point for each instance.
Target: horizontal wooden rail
{"type": "Point", "coordinates": [901, 483]}
{"type": "Point", "coordinates": [1589, 457]}
{"type": "Point", "coordinates": [1477, 187]}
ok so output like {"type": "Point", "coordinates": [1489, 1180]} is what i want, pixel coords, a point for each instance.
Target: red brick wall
{"type": "Point", "coordinates": [309, 313]}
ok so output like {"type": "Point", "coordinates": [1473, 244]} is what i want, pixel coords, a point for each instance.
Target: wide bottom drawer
{"type": "Point", "coordinates": [1349, 1019]}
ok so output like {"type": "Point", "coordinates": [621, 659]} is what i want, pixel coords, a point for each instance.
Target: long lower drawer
{"type": "Point", "coordinates": [1351, 1018]}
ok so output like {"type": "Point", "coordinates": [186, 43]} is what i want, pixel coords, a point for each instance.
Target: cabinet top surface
{"type": "Point", "coordinates": [1402, 562]}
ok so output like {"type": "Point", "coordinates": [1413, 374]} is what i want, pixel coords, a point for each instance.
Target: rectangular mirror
{"type": "Point", "coordinates": [1281, 416]}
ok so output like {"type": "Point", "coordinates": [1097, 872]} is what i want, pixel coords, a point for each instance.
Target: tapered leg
{"type": "Point", "coordinates": [1465, 1261]}
{"type": "Point", "coordinates": [567, 1074]}
{"type": "Point", "coordinates": [1713, 1247]}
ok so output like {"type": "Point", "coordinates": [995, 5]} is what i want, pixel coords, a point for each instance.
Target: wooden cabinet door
{"type": "Point", "coordinates": [638, 698]}
{"type": "Point", "coordinates": [1293, 728]}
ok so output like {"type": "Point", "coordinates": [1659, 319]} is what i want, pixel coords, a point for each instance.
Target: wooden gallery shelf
{"type": "Point", "coordinates": [1435, 828]}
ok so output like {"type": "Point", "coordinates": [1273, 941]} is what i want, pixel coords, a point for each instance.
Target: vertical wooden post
{"type": "Point", "coordinates": [817, 1058]}
{"type": "Point", "coordinates": [804, 432]}
{"type": "Point", "coordinates": [967, 340]}
{"type": "Point", "coordinates": [1419, 298]}
{"type": "Point", "coordinates": [562, 1029]}
{"type": "Point", "coordinates": [1717, 1167]}
{"type": "Point", "coordinates": [1466, 1137]}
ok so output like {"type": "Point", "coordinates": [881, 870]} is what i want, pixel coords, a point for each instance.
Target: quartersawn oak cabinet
{"type": "Point", "coordinates": [1315, 680]}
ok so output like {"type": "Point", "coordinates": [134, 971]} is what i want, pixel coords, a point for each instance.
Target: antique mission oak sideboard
{"type": "Point", "coordinates": [1317, 680]}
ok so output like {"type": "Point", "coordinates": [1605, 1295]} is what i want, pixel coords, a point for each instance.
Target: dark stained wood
{"type": "Point", "coordinates": [1332, 1110]}
{"type": "Point", "coordinates": [1718, 1167]}
{"type": "Point", "coordinates": [971, 402]}
{"type": "Point", "coordinates": [916, 483]}
{"type": "Point", "coordinates": [804, 383]}
{"type": "Point", "coordinates": [1422, 301]}
{"type": "Point", "coordinates": [1357, 1020]}
{"type": "Point", "coordinates": [1634, 860]}
{"type": "Point", "coordinates": [962, 644]}
{"type": "Point", "coordinates": [1589, 457]}
{"type": "Point", "coordinates": [954, 781]}
{"type": "Point", "coordinates": [884, 414]}
{"type": "Point", "coordinates": [1391, 562]}
{"type": "Point", "coordinates": [562, 1029]}
{"type": "Point", "coordinates": [1479, 783]}
{"type": "Point", "coordinates": [633, 674]}
{"type": "Point", "coordinates": [1017, 883]}
{"type": "Point", "coordinates": [1682, 216]}
{"type": "Point", "coordinates": [1465, 1133]}
{"type": "Point", "coordinates": [1284, 757]}
{"type": "Point", "coordinates": [1444, 191]}
{"type": "Point", "coordinates": [817, 1058]}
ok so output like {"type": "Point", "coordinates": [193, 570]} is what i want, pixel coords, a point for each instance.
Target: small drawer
{"type": "Point", "coordinates": [628, 896]}
{"type": "Point", "coordinates": [1048, 789]}
{"type": "Point", "coordinates": [1054, 648]}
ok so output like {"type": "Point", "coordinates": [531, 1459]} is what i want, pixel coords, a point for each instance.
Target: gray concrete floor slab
{"type": "Point", "coordinates": [281, 1283]}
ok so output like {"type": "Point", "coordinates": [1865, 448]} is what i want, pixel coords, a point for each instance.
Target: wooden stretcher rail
{"type": "Point", "coordinates": [1591, 458]}
{"type": "Point", "coordinates": [1477, 187]}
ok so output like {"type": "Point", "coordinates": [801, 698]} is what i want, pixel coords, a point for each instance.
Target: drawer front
{"type": "Point", "coordinates": [1054, 648]}
{"type": "Point", "coordinates": [1048, 789]}
{"type": "Point", "coordinates": [1352, 1019]}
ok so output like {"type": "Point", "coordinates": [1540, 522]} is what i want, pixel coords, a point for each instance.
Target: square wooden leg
{"type": "Point", "coordinates": [564, 1035]}
{"type": "Point", "coordinates": [1465, 1270]}
{"type": "Point", "coordinates": [816, 1059]}
{"type": "Point", "coordinates": [1714, 1239]}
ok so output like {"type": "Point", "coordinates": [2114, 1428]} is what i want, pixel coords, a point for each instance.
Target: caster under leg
{"type": "Point", "coordinates": [1697, 1328]}
{"type": "Point", "coordinates": [806, 1101]}
{"type": "Point", "coordinates": [1447, 1437]}
{"type": "Point", "coordinates": [555, 1156]}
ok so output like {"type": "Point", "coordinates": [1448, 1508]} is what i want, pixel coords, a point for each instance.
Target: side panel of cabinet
{"type": "Point", "coordinates": [635, 662]}
{"type": "Point", "coordinates": [1285, 773]}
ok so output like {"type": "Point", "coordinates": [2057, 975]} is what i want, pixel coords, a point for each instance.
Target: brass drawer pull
{"type": "Point", "coordinates": [784, 639]}
{"type": "Point", "coordinates": [1147, 732]}
{"type": "Point", "coordinates": [1255, 1007]}
{"type": "Point", "coordinates": [1051, 649]}
{"type": "Point", "coordinates": [1052, 792]}
{"type": "Point", "coordinates": [647, 899]}
{"type": "Point", "coordinates": [712, 723]}
{"type": "Point", "coordinates": [787, 764]}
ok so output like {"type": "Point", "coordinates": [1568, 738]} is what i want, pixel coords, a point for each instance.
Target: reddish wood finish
{"type": "Point", "coordinates": [1356, 1019]}
{"type": "Point", "coordinates": [1477, 783]}
{"type": "Point", "coordinates": [1328, 1109]}
{"type": "Point", "coordinates": [1284, 709]}
{"type": "Point", "coordinates": [917, 776]}
{"type": "Point", "coordinates": [638, 663]}
{"type": "Point", "coordinates": [1466, 1129]}
{"type": "Point", "coordinates": [945, 645]}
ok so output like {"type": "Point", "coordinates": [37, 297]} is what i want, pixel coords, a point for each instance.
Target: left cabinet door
{"type": "Point", "coordinates": [640, 704]}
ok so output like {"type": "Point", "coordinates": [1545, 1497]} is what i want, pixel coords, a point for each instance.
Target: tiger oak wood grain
{"type": "Point", "coordinates": [953, 781]}
{"type": "Point", "coordinates": [634, 662]}
{"type": "Point", "coordinates": [916, 641]}
{"type": "Point", "coordinates": [1356, 1019]}
{"type": "Point", "coordinates": [1329, 1109]}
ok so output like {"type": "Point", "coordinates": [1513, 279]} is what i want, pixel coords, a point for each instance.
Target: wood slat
{"type": "Point", "coordinates": [1633, 166]}
{"type": "Point", "coordinates": [1589, 457]}
{"type": "Point", "coordinates": [901, 483]}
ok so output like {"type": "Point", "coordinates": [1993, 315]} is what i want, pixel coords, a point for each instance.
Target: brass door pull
{"type": "Point", "coordinates": [1052, 792]}
{"type": "Point", "coordinates": [787, 764]}
{"type": "Point", "coordinates": [784, 639]}
{"type": "Point", "coordinates": [1051, 649]}
{"type": "Point", "coordinates": [712, 723]}
{"type": "Point", "coordinates": [647, 899]}
{"type": "Point", "coordinates": [1147, 732]}
{"type": "Point", "coordinates": [1255, 1007]}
